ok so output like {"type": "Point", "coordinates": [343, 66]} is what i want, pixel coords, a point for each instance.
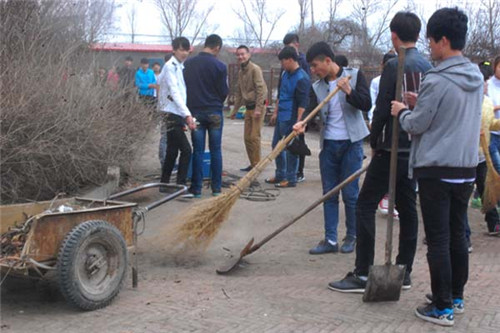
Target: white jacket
{"type": "Point", "coordinates": [173, 89]}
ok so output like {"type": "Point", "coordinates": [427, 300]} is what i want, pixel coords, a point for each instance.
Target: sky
{"type": "Point", "coordinates": [224, 21]}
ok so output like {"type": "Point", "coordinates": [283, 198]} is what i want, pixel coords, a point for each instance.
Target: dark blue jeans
{"type": "Point", "coordinates": [495, 151]}
{"type": "Point", "coordinates": [444, 207]}
{"type": "Point", "coordinates": [337, 161]}
{"type": "Point", "coordinates": [210, 122]}
{"type": "Point", "coordinates": [287, 163]}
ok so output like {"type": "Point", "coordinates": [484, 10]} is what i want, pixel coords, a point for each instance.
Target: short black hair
{"type": "Point", "coordinates": [129, 59]}
{"type": "Point", "coordinates": [243, 47]}
{"type": "Point", "coordinates": [450, 23]}
{"type": "Point", "coordinates": [387, 57]}
{"type": "Point", "coordinates": [181, 43]}
{"type": "Point", "coordinates": [167, 57]}
{"type": "Point", "coordinates": [213, 41]}
{"type": "Point", "coordinates": [321, 50]}
{"type": "Point", "coordinates": [290, 38]}
{"type": "Point", "coordinates": [341, 60]}
{"type": "Point", "coordinates": [486, 69]}
{"type": "Point", "coordinates": [288, 52]}
{"type": "Point", "coordinates": [406, 26]}
{"type": "Point", "coordinates": [144, 61]}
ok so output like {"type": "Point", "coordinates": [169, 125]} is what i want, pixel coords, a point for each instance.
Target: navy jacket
{"type": "Point", "coordinates": [206, 83]}
{"type": "Point", "coordinates": [294, 94]}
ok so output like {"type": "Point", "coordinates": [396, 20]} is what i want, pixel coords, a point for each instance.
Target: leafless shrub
{"type": "Point", "coordinates": [60, 127]}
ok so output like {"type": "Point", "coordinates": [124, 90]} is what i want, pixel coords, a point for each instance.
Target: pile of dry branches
{"type": "Point", "coordinates": [59, 127]}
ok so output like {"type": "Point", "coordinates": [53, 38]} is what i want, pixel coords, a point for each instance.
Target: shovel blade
{"type": "Point", "coordinates": [384, 283]}
{"type": "Point", "coordinates": [234, 261]}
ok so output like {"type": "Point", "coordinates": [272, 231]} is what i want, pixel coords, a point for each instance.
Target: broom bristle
{"type": "Point", "coordinates": [201, 223]}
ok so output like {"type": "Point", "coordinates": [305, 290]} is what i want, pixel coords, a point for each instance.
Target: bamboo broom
{"type": "Point", "coordinates": [202, 222]}
{"type": "Point", "coordinates": [491, 195]}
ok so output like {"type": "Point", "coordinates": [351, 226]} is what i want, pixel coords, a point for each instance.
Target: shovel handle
{"type": "Point", "coordinates": [394, 156]}
{"type": "Point", "coordinates": [325, 197]}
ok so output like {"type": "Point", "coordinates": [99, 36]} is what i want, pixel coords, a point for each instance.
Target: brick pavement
{"type": "Point", "coordinates": [280, 288]}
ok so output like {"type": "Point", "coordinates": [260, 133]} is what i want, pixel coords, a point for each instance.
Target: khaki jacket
{"type": "Point", "coordinates": [251, 88]}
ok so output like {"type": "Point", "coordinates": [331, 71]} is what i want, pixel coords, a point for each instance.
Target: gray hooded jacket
{"type": "Point", "coordinates": [445, 122]}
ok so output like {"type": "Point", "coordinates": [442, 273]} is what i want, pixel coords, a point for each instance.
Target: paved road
{"type": "Point", "coordinates": [279, 289]}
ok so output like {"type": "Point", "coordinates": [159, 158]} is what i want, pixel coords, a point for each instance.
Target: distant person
{"type": "Point", "coordinates": [113, 79]}
{"type": "Point", "coordinates": [341, 140]}
{"type": "Point", "coordinates": [206, 83]}
{"type": "Point", "coordinates": [145, 82]}
{"type": "Point", "coordinates": [294, 98]}
{"type": "Point", "coordinates": [341, 60]}
{"type": "Point", "coordinates": [177, 115]}
{"type": "Point", "coordinates": [156, 70]}
{"type": "Point", "coordinates": [126, 75]}
{"type": "Point", "coordinates": [494, 95]}
{"type": "Point", "coordinates": [292, 39]}
{"type": "Point", "coordinates": [102, 76]}
{"type": "Point", "coordinates": [251, 92]}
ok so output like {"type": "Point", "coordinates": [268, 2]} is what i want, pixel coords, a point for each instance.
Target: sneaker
{"type": "Point", "coordinates": [432, 314]}
{"type": "Point", "coordinates": [248, 168]}
{"type": "Point", "coordinates": [406, 282]}
{"type": "Point", "coordinates": [300, 178]}
{"type": "Point", "coordinates": [495, 231]}
{"type": "Point", "coordinates": [216, 194]}
{"type": "Point", "coordinates": [352, 283]}
{"type": "Point", "coordinates": [458, 303]}
{"type": "Point", "coordinates": [349, 243]}
{"type": "Point", "coordinates": [272, 180]}
{"type": "Point", "coordinates": [284, 183]}
{"type": "Point", "coordinates": [324, 247]}
{"type": "Point", "coordinates": [383, 205]}
{"type": "Point", "coordinates": [187, 196]}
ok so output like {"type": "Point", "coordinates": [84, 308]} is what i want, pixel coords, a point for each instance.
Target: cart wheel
{"type": "Point", "coordinates": [92, 264]}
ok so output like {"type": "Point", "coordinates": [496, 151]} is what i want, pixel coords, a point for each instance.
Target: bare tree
{"type": "Point", "coordinates": [131, 16]}
{"type": "Point", "coordinates": [484, 29]}
{"type": "Point", "coordinates": [312, 14]}
{"type": "Point", "coordinates": [96, 16]}
{"type": "Point", "coordinates": [181, 17]}
{"type": "Point", "coordinates": [332, 17]}
{"type": "Point", "coordinates": [303, 5]}
{"type": "Point", "coordinates": [258, 20]}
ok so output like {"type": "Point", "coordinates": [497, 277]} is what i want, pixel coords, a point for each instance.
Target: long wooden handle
{"type": "Point", "coordinates": [325, 197]}
{"type": "Point", "coordinates": [394, 157]}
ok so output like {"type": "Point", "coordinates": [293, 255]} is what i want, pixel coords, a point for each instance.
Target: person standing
{"type": "Point", "coordinates": [157, 71]}
{"type": "Point", "coordinates": [251, 92]}
{"type": "Point", "coordinates": [494, 95]}
{"type": "Point", "coordinates": [126, 75]}
{"type": "Point", "coordinates": [405, 30]}
{"type": "Point", "coordinates": [341, 140]}
{"type": "Point", "coordinates": [445, 126]}
{"type": "Point", "coordinates": [173, 104]}
{"type": "Point", "coordinates": [292, 39]}
{"type": "Point", "coordinates": [294, 98]}
{"type": "Point", "coordinates": [206, 84]}
{"type": "Point", "coordinates": [145, 82]}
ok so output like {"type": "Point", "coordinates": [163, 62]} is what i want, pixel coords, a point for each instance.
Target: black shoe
{"type": "Point", "coordinates": [324, 247]}
{"type": "Point", "coordinates": [350, 284]}
{"type": "Point", "coordinates": [248, 168]}
{"type": "Point", "coordinates": [406, 281]}
{"type": "Point", "coordinates": [349, 244]}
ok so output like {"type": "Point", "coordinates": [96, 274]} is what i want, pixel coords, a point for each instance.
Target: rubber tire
{"type": "Point", "coordinates": [76, 241]}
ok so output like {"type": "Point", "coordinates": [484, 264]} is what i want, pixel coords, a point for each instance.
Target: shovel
{"type": "Point", "coordinates": [385, 281]}
{"type": "Point", "coordinates": [248, 249]}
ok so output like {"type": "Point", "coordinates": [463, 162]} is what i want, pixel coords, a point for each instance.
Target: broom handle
{"type": "Point", "coordinates": [394, 157]}
{"type": "Point", "coordinates": [325, 197]}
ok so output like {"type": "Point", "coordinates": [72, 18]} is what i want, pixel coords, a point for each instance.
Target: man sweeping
{"type": "Point", "coordinates": [444, 126]}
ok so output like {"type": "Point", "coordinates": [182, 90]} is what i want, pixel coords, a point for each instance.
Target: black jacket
{"type": "Point", "coordinates": [381, 132]}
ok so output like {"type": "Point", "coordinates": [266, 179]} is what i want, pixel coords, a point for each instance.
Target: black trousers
{"type": "Point", "coordinates": [375, 186]}
{"type": "Point", "coordinates": [176, 142]}
{"type": "Point", "coordinates": [491, 217]}
{"type": "Point", "coordinates": [444, 207]}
